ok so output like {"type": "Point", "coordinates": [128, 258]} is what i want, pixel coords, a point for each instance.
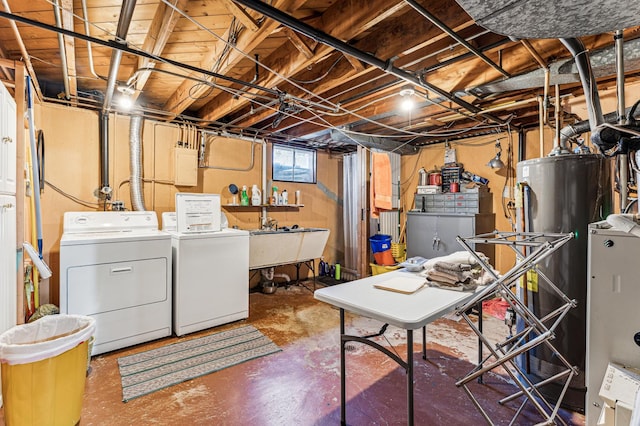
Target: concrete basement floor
{"type": "Point", "coordinates": [301, 384]}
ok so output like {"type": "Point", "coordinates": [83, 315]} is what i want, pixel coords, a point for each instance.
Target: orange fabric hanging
{"type": "Point", "coordinates": [381, 186]}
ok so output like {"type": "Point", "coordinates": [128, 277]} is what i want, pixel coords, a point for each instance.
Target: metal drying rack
{"type": "Point", "coordinates": [531, 249]}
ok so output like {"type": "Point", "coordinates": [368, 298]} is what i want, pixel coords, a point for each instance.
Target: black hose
{"type": "Point", "coordinates": [40, 153]}
{"type": "Point", "coordinates": [632, 111]}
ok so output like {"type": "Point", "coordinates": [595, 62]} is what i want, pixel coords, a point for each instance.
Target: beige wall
{"type": "Point", "coordinates": [72, 164]}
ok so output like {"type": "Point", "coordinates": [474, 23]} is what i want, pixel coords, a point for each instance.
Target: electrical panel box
{"type": "Point", "coordinates": [185, 163]}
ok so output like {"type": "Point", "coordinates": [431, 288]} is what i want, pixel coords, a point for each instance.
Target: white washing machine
{"type": "Point", "coordinates": [116, 267]}
{"type": "Point", "coordinates": [210, 277]}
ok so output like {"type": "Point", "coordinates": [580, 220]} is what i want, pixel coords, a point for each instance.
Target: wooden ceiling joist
{"type": "Point", "coordinates": [69, 47]}
{"type": "Point", "coordinates": [241, 15]}
{"type": "Point", "coordinates": [162, 26]}
{"type": "Point", "coordinates": [299, 43]}
{"type": "Point", "coordinates": [288, 63]}
{"type": "Point", "coordinates": [185, 96]}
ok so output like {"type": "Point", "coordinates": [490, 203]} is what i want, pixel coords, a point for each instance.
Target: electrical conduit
{"type": "Point", "coordinates": [135, 163]}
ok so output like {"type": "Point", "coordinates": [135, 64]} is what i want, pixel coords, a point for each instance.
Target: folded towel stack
{"type": "Point", "coordinates": [455, 276]}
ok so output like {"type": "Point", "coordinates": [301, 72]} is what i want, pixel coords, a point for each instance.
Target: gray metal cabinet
{"type": "Point", "coordinates": [434, 234]}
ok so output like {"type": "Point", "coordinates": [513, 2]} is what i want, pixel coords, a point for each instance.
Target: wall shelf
{"type": "Point", "coordinates": [269, 206]}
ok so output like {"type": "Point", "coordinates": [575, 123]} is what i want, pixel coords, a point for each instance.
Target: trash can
{"type": "Point", "coordinates": [44, 366]}
{"type": "Point", "coordinates": [381, 248]}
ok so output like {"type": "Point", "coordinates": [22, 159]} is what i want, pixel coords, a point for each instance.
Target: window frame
{"type": "Point", "coordinates": [280, 178]}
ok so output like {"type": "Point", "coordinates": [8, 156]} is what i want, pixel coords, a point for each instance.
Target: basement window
{"type": "Point", "coordinates": [293, 164]}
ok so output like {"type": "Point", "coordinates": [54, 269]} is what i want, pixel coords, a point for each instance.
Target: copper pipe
{"type": "Point", "coordinates": [547, 75]}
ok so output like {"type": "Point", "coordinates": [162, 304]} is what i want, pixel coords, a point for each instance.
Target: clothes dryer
{"type": "Point", "coordinates": [116, 267]}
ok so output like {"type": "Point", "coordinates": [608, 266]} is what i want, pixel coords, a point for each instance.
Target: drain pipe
{"type": "Point", "coordinates": [126, 13]}
{"type": "Point", "coordinates": [135, 163]}
{"type": "Point", "coordinates": [63, 52]}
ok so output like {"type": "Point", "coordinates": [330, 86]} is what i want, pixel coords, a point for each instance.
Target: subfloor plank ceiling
{"type": "Point", "coordinates": [318, 73]}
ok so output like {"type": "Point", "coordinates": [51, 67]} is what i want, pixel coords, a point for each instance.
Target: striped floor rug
{"type": "Point", "coordinates": [159, 368]}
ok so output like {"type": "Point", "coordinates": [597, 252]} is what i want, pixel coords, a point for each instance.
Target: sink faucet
{"type": "Point", "coordinates": [270, 224]}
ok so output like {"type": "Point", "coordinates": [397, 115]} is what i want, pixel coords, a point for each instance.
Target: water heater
{"type": "Point", "coordinates": [562, 194]}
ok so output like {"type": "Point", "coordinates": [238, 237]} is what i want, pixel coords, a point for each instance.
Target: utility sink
{"type": "Point", "coordinates": [283, 246]}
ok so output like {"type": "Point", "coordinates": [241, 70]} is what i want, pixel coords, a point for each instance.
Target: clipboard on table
{"type": "Point", "coordinates": [400, 285]}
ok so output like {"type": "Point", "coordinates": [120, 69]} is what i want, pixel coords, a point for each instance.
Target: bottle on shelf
{"type": "Point", "coordinates": [274, 196]}
{"type": "Point", "coordinates": [256, 196]}
{"type": "Point", "coordinates": [284, 197]}
{"type": "Point", "coordinates": [244, 197]}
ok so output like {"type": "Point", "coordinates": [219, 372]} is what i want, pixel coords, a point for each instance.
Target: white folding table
{"type": "Point", "coordinates": [406, 311]}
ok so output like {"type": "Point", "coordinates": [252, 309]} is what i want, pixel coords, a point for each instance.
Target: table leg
{"type": "Point", "coordinates": [424, 342]}
{"type": "Point", "coordinates": [479, 339]}
{"type": "Point", "coordinates": [410, 377]}
{"type": "Point", "coordinates": [343, 370]}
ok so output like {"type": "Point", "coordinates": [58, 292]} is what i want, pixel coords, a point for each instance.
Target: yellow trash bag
{"type": "Point", "coordinates": [44, 365]}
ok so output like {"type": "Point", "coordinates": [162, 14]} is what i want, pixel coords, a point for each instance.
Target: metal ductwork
{"type": "Point", "coordinates": [589, 85]}
{"type": "Point", "coordinates": [126, 13]}
{"type": "Point", "coordinates": [603, 63]}
{"type": "Point", "coordinates": [135, 163]}
{"type": "Point", "coordinates": [552, 19]}
{"type": "Point", "coordinates": [605, 136]}
{"type": "Point", "coordinates": [385, 144]}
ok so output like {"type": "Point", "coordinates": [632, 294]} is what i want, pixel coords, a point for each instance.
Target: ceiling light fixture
{"type": "Point", "coordinates": [407, 103]}
{"type": "Point", "coordinates": [125, 100]}
{"type": "Point", "coordinates": [496, 162]}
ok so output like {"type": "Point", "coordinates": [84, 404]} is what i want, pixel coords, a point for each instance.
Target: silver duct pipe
{"type": "Point", "coordinates": [135, 163]}
{"type": "Point", "coordinates": [63, 52]}
{"type": "Point", "coordinates": [589, 86]}
{"type": "Point", "coordinates": [126, 13]}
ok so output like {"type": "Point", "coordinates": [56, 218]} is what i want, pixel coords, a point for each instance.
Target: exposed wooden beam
{"type": "Point", "coordinates": [69, 47]}
{"type": "Point", "coordinates": [410, 26]}
{"type": "Point", "coordinates": [161, 28]}
{"type": "Point", "coordinates": [298, 42]}
{"type": "Point", "coordinates": [343, 20]}
{"type": "Point", "coordinates": [7, 71]}
{"type": "Point", "coordinates": [184, 96]}
{"type": "Point", "coordinates": [23, 50]}
{"type": "Point", "coordinates": [355, 63]}
{"type": "Point", "coordinates": [241, 15]}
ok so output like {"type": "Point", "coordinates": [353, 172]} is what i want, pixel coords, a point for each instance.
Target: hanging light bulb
{"type": "Point", "coordinates": [125, 101]}
{"type": "Point", "coordinates": [407, 103]}
{"type": "Point", "coordinates": [496, 162]}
